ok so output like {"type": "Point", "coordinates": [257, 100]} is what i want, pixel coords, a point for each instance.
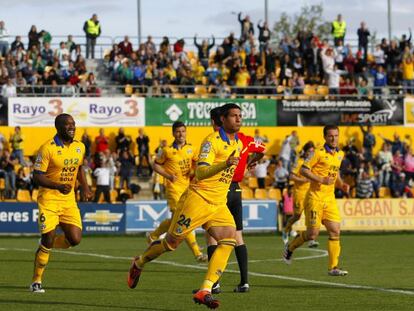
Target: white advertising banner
{"type": "Point", "coordinates": [87, 111]}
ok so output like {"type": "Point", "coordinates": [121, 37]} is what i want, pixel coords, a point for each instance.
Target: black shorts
{"type": "Point", "coordinates": [234, 203]}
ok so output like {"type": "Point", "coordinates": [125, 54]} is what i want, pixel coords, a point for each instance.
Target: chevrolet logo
{"type": "Point", "coordinates": [103, 217]}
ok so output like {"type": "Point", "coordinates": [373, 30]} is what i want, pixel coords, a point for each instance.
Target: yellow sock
{"type": "Point", "coordinates": [162, 228]}
{"type": "Point", "coordinates": [156, 249]}
{"type": "Point", "coordinates": [60, 242]}
{"type": "Point", "coordinates": [218, 263]}
{"type": "Point", "coordinates": [192, 244]}
{"type": "Point", "coordinates": [334, 249]}
{"type": "Point", "coordinates": [41, 260]}
{"type": "Point", "coordinates": [298, 241]}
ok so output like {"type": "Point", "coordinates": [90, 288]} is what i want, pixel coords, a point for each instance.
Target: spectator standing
{"type": "Point", "coordinates": [4, 39]}
{"type": "Point", "coordinates": [17, 43]}
{"type": "Point", "coordinates": [143, 151]}
{"type": "Point", "coordinates": [34, 38]}
{"type": "Point", "coordinates": [122, 141]}
{"type": "Point", "coordinates": [92, 29]}
{"type": "Point", "coordinates": [125, 47]}
{"type": "Point", "coordinates": [264, 35]}
{"type": "Point", "coordinates": [369, 139]}
{"type": "Point", "coordinates": [7, 163]}
{"type": "Point", "coordinates": [101, 141]}
{"type": "Point", "coordinates": [247, 27]}
{"type": "Point", "coordinates": [384, 160]}
{"type": "Point", "coordinates": [8, 89]}
{"type": "Point", "coordinates": [363, 37]}
{"type": "Point", "coordinates": [204, 50]}
{"type": "Point", "coordinates": [102, 182]}
{"type": "Point", "coordinates": [281, 175]}
{"type": "Point", "coordinates": [126, 166]}
{"type": "Point", "coordinates": [408, 74]}
{"type": "Point", "coordinates": [409, 164]}
{"type": "Point", "coordinates": [86, 140]}
{"type": "Point", "coordinates": [260, 171]}
{"type": "Point", "coordinates": [338, 29]}
{"type": "Point", "coordinates": [16, 142]}
{"type": "Point", "coordinates": [88, 176]}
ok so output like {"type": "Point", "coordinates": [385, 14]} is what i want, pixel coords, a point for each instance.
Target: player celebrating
{"type": "Point", "coordinates": [56, 170]}
{"type": "Point", "coordinates": [300, 188]}
{"type": "Point", "coordinates": [322, 169]}
{"type": "Point", "coordinates": [234, 201]}
{"type": "Point", "coordinates": [175, 163]}
{"type": "Point", "coordinates": [204, 203]}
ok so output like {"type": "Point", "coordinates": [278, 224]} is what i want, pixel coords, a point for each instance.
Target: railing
{"type": "Point", "coordinates": [105, 43]}
{"type": "Point", "coordinates": [201, 91]}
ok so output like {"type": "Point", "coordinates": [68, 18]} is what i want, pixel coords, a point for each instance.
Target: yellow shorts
{"type": "Point", "coordinates": [299, 202]}
{"type": "Point", "coordinates": [52, 213]}
{"type": "Point", "coordinates": [172, 201]}
{"type": "Point", "coordinates": [193, 211]}
{"type": "Point", "coordinates": [316, 211]}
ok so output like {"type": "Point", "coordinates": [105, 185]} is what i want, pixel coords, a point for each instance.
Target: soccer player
{"type": "Point", "coordinates": [300, 188]}
{"type": "Point", "coordinates": [234, 202]}
{"type": "Point", "coordinates": [204, 204]}
{"type": "Point", "coordinates": [175, 163]}
{"type": "Point", "coordinates": [56, 170]}
{"type": "Point", "coordinates": [322, 169]}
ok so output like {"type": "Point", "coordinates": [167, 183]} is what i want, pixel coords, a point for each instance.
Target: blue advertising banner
{"type": "Point", "coordinates": [144, 216]}
{"type": "Point", "coordinates": [96, 218]}
{"type": "Point", "coordinates": [18, 218]}
{"type": "Point", "coordinates": [103, 218]}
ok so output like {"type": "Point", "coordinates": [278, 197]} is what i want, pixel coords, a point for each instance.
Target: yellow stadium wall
{"type": "Point", "coordinates": [35, 136]}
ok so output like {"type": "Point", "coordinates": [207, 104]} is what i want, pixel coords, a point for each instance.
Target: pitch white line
{"type": "Point", "coordinates": [322, 253]}
{"type": "Point", "coordinates": [203, 267]}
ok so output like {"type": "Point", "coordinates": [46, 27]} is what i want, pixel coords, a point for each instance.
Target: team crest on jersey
{"type": "Point", "coordinates": [179, 230]}
{"type": "Point", "coordinates": [189, 151]}
{"type": "Point", "coordinates": [59, 152]}
{"type": "Point", "coordinates": [225, 147]}
{"type": "Point", "coordinates": [206, 147]}
{"type": "Point", "coordinates": [78, 150]}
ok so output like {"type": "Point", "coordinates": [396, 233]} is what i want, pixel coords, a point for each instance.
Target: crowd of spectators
{"type": "Point", "coordinates": [252, 64]}
{"type": "Point", "coordinates": [38, 70]}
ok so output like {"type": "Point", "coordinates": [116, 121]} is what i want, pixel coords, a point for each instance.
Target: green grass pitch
{"type": "Point", "coordinates": [92, 276]}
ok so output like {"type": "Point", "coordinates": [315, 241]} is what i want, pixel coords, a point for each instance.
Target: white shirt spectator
{"type": "Point", "coordinates": [9, 90]}
{"type": "Point", "coordinates": [379, 56]}
{"type": "Point", "coordinates": [334, 77]}
{"type": "Point", "coordinates": [286, 151]}
{"type": "Point", "coordinates": [281, 174]}
{"type": "Point", "coordinates": [102, 176]}
{"type": "Point", "coordinates": [260, 171]}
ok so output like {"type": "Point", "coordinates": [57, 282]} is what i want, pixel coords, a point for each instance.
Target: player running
{"type": "Point", "coordinates": [322, 169]}
{"type": "Point", "coordinates": [175, 163]}
{"type": "Point", "coordinates": [56, 170]}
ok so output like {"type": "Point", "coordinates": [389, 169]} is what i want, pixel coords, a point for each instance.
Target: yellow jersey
{"type": "Point", "coordinates": [215, 149]}
{"type": "Point", "coordinates": [299, 186]}
{"type": "Point", "coordinates": [324, 162]}
{"type": "Point", "coordinates": [60, 163]}
{"type": "Point", "coordinates": [179, 162]}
